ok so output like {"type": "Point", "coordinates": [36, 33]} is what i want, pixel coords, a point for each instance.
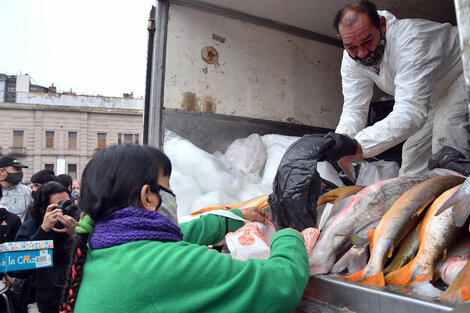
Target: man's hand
{"type": "Point", "coordinates": [51, 217]}
{"type": "Point", "coordinates": [254, 214]}
{"type": "Point", "coordinates": [342, 146]}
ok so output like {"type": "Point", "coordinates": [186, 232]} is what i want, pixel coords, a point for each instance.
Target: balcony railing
{"type": "Point", "coordinates": [17, 151]}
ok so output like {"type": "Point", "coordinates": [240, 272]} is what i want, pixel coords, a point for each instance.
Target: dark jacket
{"type": "Point", "coordinates": [9, 225]}
{"type": "Point", "coordinates": [50, 281]}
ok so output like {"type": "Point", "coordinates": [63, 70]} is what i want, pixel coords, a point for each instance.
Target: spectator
{"type": "Point", "coordinates": [43, 225]}
{"type": "Point", "coordinates": [40, 178]}
{"type": "Point", "coordinates": [9, 223]}
{"type": "Point", "coordinates": [65, 180]}
{"type": "Point", "coordinates": [16, 196]}
{"type": "Point", "coordinates": [75, 185]}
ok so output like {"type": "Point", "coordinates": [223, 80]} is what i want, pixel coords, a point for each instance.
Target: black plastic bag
{"type": "Point", "coordinates": [297, 184]}
{"type": "Point", "coordinates": [451, 159]}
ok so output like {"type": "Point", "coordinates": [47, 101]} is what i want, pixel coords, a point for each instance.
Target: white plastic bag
{"type": "Point", "coordinates": [245, 156]}
{"type": "Point", "coordinates": [253, 241]}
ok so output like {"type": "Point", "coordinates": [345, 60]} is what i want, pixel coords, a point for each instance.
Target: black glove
{"type": "Point", "coordinates": [341, 147]}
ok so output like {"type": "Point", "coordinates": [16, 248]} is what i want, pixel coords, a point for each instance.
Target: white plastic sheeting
{"type": "Point", "coordinates": [200, 179]}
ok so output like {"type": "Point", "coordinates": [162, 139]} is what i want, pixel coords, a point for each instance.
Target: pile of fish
{"type": "Point", "coordinates": [398, 231]}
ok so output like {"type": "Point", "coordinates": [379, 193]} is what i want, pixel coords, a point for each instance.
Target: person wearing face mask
{"type": "Point", "coordinates": [131, 255]}
{"type": "Point", "coordinates": [16, 196]}
{"type": "Point", "coordinates": [419, 63]}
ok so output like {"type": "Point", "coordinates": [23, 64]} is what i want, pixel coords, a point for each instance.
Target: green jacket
{"type": "Point", "coordinates": [186, 276]}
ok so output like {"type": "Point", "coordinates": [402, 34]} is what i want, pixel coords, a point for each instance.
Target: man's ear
{"type": "Point", "coordinates": [148, 199]}
{"type": "Point", "coordinates": [383, 24]}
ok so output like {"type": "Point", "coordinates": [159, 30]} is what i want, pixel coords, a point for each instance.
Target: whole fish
{"type": "Point", "coordinates": [358, 217]}
{"type": "Point", "coordinates": [335, 195]}
{"type": "Point", "coordinates": [407, 250]}
{"type": "Point", "coordinates": [457, 257]}
{"type": "Point", "coordinates": [459, 290]}
{"type": "Point", "coordinates": [460, 201]}
{"type": "Point", "coordinates": [436, 234]}
{"type": "Point", "coordinates": [260, 202]}
{"type": "Point", "coordinates": [404, 214]}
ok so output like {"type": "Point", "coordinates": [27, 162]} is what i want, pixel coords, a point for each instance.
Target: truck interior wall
{"type": "Point", "coordinates": [256, 72]}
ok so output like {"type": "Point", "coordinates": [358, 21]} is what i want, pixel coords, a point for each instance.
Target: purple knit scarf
{"type": "Point", "coordinates": [133, 224]}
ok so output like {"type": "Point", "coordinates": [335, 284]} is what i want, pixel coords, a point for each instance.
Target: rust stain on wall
{"type": "Point", "coordinates": [209, 55]}
{"type": "Point", "coordinates": [190, 102]}
{"type": "Point", "coordinates": [208, 104]}
{"type": "Point", "coordinates": [293, 120]}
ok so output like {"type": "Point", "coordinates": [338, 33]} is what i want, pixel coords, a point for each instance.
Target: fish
{"type": "Point", "coordinates": [361, 214]}
{"type": "Point", "coordinates": [459, 290]}
{"type": "Point", "coordinates": [452, 267]}
{"type": "Point", "coordinates": [407, 250]}
{"type": "Point", "coordinates": [338, 194]}
{"type": "Point", "coordinates": [329, 211]}
{"type": "Point", "coordinates": [352, 261]}
{"type": "Point", "coordinates": [436, 234]}
{"type": "Point", "coordinates": [261, 202]}
{"type": "Point", "coordinates": [460, 201]}
{"type": "Point", "coordinates": [403, 215]}
{"type": "Point", "coordinates": [456, 259]}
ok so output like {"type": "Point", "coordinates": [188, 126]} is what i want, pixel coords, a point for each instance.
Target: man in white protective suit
{"type": "Point", "coordinates": [419, 63]}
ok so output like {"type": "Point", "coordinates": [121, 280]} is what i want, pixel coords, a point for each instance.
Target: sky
{"type": "Point", "coordinates": [93, 47]}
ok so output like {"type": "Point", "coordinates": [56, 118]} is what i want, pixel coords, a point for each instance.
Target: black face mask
{"type": "Point", "coordinates": [14, 178]}
{"type": "Point", "coordinates": [374, 57]}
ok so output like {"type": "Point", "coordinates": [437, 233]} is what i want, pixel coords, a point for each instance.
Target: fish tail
{"type": "Point", "coordinates": [376, 280]}
{"type": "Point", "coordinates": [401, 276]}
{"type": "Point", "coordinates": [356, 277]}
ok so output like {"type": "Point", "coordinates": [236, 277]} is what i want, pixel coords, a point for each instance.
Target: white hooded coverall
{"type": "Point", "coordinates": [422, 68]}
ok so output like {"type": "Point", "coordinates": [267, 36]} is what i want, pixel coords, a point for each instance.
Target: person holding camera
{"type": "Point", "coordinates": [53, 217]}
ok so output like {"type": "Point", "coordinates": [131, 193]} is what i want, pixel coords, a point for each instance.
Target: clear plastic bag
{"type": "Point", "coordinates": [372, 172]}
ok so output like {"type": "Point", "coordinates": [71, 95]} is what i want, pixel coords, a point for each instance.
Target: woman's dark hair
{"type": "Point", "coordinates": [111, 181]}
{"type": "Point", "coordinates": [364, 6]}
{"type": "Point", "coordinates": [41, 200]}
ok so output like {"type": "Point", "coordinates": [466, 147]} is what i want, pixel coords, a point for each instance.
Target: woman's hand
{"type": "Point", "coordinates": [50, 217]}
{"type": "Point", "coordinates": [254, 214]}
{"type": "Point", "coordinates": [69, 225]}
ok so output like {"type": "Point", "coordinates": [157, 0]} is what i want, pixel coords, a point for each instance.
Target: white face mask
{"type": "Point", "coordinates": [167, 206]}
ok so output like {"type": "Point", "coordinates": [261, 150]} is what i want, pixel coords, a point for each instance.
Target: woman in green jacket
{"type": "Point", "coordinates": [131, 255]}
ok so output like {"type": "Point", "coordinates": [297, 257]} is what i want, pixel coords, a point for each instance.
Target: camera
{"type": "Point", "coordinates": [70, 209]}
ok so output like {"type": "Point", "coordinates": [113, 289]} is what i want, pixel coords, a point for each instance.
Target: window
{"type": "Point", "coordinates": [128, 138]}
{"type": "Point", "coordinates": [49, 166]}
{"type": "Point", "coordinates": [49, 139]}
{"type": "Point", "coordinates": [101, 140]}
{"type": "Point", "coordinates": [18, 136]}
{"type": "Point", "coordinates": [136, 138]}
{"type": "Point", "coordinates": [72, 170]}
{"type": "Point", "coordinates": [119, 139]}
{"type": "Point", "coordinates": [72, 140]}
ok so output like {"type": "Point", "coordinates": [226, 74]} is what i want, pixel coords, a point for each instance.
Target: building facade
{"type": "Point", "coordinates": [63, 131]}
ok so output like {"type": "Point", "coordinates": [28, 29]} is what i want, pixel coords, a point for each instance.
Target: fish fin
{"type": "Point", "coordinates": [461, 211]}
{"type": "Point", "coordinates": [264, 205]}
{"type": "Point", "coordinates": [357, 241]}
{"type": "Point", "coordinates": [376, 280]}
{"type": "Point", "coordinates": [390, 253]}
{"type": "Point", "coordinates": [325, 198]}
{"type": "Point", "coordinates": [356, 277]}
{"type": "Point", "coordinates": [401, 276]}
{"type": "Point", "coordinates": [444, 255]}
{"type": "Point", "coordinates": [370, 236]}
{"type": "Point", "coordinates": [449, 202]}
{"type": "Point", "coordinates": [424, 206]}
